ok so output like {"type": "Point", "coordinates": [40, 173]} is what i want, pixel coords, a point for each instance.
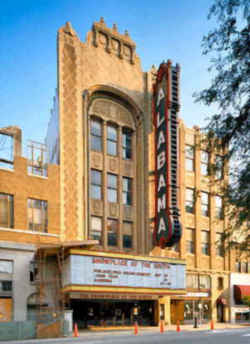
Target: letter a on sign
{"type": "Point", "coordinates": [161, 226]}
{"type": "Point", "coordinates": [161, 139]}
{"type": "Point", "coordinates": [161, 183]}
{"type": "Point", "coordinates": [161, 95]}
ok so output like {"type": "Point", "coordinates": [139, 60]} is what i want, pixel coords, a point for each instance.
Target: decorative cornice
{"type": "Point", "coordinates": [114, 42]}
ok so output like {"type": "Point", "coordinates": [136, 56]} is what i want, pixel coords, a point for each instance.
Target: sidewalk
{"type": "Point", "coordinates": [189, 327]}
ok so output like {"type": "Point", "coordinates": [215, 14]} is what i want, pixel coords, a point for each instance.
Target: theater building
{"type": "Point", "coordinates": [126, 194]}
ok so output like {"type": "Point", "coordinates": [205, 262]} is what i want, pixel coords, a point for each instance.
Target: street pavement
{"type": "Point", "coordinates": [187, 335]}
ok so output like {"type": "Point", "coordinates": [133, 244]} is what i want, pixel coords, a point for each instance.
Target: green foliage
{"type": "Point", "coordinates": [246, 300]}
{"type": "Point", "coordinates": [229, 45]}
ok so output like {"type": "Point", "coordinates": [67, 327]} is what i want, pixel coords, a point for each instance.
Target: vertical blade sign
{"type": "Point", "coordinates": [165, 108]}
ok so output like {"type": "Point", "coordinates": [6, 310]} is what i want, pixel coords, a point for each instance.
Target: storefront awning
{"type": "Point", "coordinates": [240, 291]}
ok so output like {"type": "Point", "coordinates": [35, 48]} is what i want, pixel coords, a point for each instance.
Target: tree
{"type": "Point", "coordinates": [229, 45]}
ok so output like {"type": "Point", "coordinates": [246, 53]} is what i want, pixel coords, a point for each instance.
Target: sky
{"type": "Point", "coordinates": [163, 29]}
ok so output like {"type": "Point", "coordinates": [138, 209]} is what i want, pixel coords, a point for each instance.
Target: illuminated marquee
{"type": "Point", "coordinates": [121, 272]}
{"type": "Point", "coordinates": [165, 108]}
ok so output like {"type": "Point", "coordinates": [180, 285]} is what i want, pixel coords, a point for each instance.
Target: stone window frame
{"type": "Point", "coordinates": [91, 230]}
{"type": "Point", "coordinates": [127, 131]}
{"type": "Point", "coordinates": [219, 213]}
{"type": "Point", "coordinates": [124, 234]}
{"type": "Point", "coordinates": [112, 188]}
{"type": "Point", "coordinates": [219, 167]}
{"type": "Point", "coordinates": [9, 198]}
{"type": "Point", "coordinates": [190, 203]}
{"type": "Point", "coordinates": [205, 203]}
{"type": "Point", "coordinates": [112, 140]}
{"type": "Point", "coordinates": [205, 242]}
{"type": "Point", "coordinates": [220, 244]}
{"type": "Point", "coordinates": [42, 209]}
{"type": "Point", "coordinates": [95, 185]}
{"type": "Point", "coordinates": [109, 241]}
{"type": "Point", "coordinates": [127, 192]}
{"type": "Point", "coordinates": [94, 136]}
{"type": "Point", "coordinates": [189, 158]}
{"type": "Point", "coordinates": [133, 126]}
{"type": "Point", "coordinates": [204, 163]}
{"type": "Point", "coordinates": [190, 244]}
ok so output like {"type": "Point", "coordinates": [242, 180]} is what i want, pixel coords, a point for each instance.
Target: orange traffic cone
{"type": "Point", "coordinates": [178, 329]}
{"type": "Point", "coordinates": [136, 328]}
{"type": "Point", "coordinates": [76, 333]}
{"type": "Point", "coordinates": [161, 326]}
{"type": "Point", "coordinates": [212, 325]}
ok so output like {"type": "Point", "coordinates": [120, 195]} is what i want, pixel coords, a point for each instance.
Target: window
{"type": "Point", "coordinates": [218, 207]}
{"type": "Point", "coordinates": [219, 245]}
{"type": "Point", "coordinates": [112, 188]}
{"type": "Point", "coordinates": [111, 140]}
{"type": "Point", "coordinates": [220, 283]}
{"type": "Point", "coordinates": [33, 271]}
{"type": "Point", "coordinates": [192, 281]}
{"type": "Point", "coordinates": [96, 184]}
{"type": "Point", "coordinates": [198, 281]}
{"type": "Point", "coordinates": [6, 211]}
{"type": "Point", "coordinates": [244, 267]}
{"type": "Point", "coordinates": [96, 135]}
{"type": "Point", "coordinates": [204, 282]}
{"type": "Point", "coordinates": [204, 163]}
{"type": "Point", "coordinates": [189, 158]}
{"type": "Point", "coordinates": [127, 191]}
{"type": "Point", "coordinates": [96, 228]}
{"type": "Point", "coordinates": [189, 205]}
{"type": "Point", "coordinates": [126, 143]}
{"type": "Point", "coordinates": [6, 266]}
{"type": "Point", "coordinates": [37, 215]}
{"type": "Point", "coordinates": [190, 240]}
{"type": "Point", "coordinates": [237, 266]}
{"type": "Point", "coordinates": [112, 232]}
{"type": "Point", "coordinates": [205, 242]}
{"type": "Point", "coordinates": [218, 167]}
{"type": "Point", "coordinates": [5, 286]}
{"type": "Point", "coordinates": [127, 231]}
{"type": "Point", "coordinates": [204, 204]}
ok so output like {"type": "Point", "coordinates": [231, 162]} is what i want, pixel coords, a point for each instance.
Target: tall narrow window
{"type": "Point", "coordinates": [204, 163]}
{"type": "Point", "coordinates": [237, 266]}
{"type": "Point", "coordinates": [244, 267]}
{"type": "Point", "coordinates": [127, 237]}
{"type": "Point", "coordinates": [219, 167]}
{"type": "Point", "coordinates": [126, 143]}
{"type": "Point", "coordinates": [204, 282]}
{"type": "Point", "coordinates": [6, 211]}
{"type": "Point", "coordinates": [218, 207]}
{"type": "Point", "coordinates": [205, 242]}
{"type": "Point", "coordinates": [111, 140]}
{"type": "Point", "coordinates": [112, 188]}
{"type": "Point", "coordinates": [96, 228]}
{"type": "Point", "coordinates": [38, 215]}
{"type": "Point", "coordinates": [112, 232]}
{"type": "Point", "coordinates": [192, 281]}
{"type": "Point", "coordinates": [96, 135]}
{"type": "Point", "coordinates": [219, 245]}
{"type": "Point", "coordinates": [96, 184]}
{"type": "Point", "coordinates": [189, 158]}
{"type": "Point", "coordinates": [204, 204]}
{"type": "Point", "coordinates": [189, 203]}
{"type": "Point", "coordinates": [190, 240]}
{"type": "Point", "coordinates": [127, 191]}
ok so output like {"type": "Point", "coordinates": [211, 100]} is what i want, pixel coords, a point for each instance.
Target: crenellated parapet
{"type": "Point", "coordinates": [113, 42]}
